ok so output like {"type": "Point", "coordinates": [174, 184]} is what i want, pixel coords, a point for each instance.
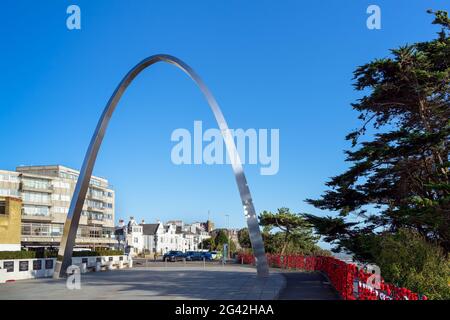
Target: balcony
{"type": "Point", "coordinates": [57, 239]}
{"type": "Point", "coordinates": [95, 221]}
{"type": "Point", "coordinates": [94, 196]}
{"type": "Point", "coordinates": [39, 218]}
{"type": "Point", "coordinates": [96, 209]}
{"type": "Point", "coordinates": [37, 203]}
{"type": "Point", "coordinates": [28, 187]}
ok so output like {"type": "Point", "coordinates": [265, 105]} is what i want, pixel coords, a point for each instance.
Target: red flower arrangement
{"type": "Point", "coordinates": [350, 282]}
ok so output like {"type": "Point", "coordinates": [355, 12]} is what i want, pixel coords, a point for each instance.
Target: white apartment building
{"type": "Point", "coordinates": [161, 238]}
{"type": "Point", "coordinates": [46, 192]}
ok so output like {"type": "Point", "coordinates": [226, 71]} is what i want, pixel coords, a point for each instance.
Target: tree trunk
{"type": "Point", "coordinates": [286, 242]}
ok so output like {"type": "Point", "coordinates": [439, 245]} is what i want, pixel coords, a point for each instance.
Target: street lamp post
{"type": "Point", "coordinates": [228, 235]}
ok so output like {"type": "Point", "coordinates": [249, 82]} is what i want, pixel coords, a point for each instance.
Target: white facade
{"type": "Point", "coordinates": [161, 238]}
{"type": "Point", "coordinates": [134, 238]}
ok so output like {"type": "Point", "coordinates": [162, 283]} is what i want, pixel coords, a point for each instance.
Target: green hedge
{"type": "Point", "coordinates": [97, 253]}
{"type": "Point", "coordinates": [53, 254]}
{"type": "Point", "coordinates": [17, 255]}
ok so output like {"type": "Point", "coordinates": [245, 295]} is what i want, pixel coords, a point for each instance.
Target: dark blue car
{"type": "Point", "coordinates": [174, 256]}
{"type": "Point", "coordinates": [198, 256]}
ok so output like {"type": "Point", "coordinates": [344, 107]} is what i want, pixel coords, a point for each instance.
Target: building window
{"type": "Point", "coordinates": [57, 230]}
{"type": "Point", "coordinates": [36, 197]}
{"type": "Point", "coordinates": [9, 192]}
{"type": "Point", "coordinates": [35, 211]}
{"type": "Point", "coordinates": [36, 184]}
{"type": "Point", "coordinates": [2, 207]}
{"type": "Point", "coordinates": [61, 185]}
{"type": "Point", "coordinates": [60, 197]}
{"type": "Point", "coordinates": [9, 178]}
{"type": "Point", "coordinates": [35, 229]}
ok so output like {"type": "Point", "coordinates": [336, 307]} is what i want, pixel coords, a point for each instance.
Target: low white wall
{"type": "Point", "coordinates": [20, 269]}
{"type": "Point", "coordinates": [104, 260]}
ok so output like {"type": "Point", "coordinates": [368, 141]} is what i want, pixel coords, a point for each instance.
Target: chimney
{"type": "Point", "coordinates": [143, 221]}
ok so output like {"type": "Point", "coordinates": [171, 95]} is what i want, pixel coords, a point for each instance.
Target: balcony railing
{"type": "Point", "coordinates": [95, 221]}
{"type": "Point", "coordinates": [28, 216]}
{"type": "Point", "coordinates": [28, 187]}
{"type": "Point", "coordinates": [96, 209]}
{"type": "Point", "coordinates": [96, 196]}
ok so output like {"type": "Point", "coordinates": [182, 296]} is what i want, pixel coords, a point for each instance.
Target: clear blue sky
{"type": "Point", "coordinates": [271, 64]}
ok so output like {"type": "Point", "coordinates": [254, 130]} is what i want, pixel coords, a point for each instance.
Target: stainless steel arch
{"type": "Point", "coordinates": [76, 205]}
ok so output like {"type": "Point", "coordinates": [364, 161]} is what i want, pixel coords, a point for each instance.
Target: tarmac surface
{"type": "Point", "coordinates": [174, 282]}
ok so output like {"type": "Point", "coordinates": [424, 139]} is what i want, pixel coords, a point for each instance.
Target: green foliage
{"type": "Point", "coordinates": [233, 248]}
{"type": "Point", "coordinates": [406, 259]}
{"type": "Point", "coordinates": [294, 234]}
{"type": "Point", "coordinates": [399, 175]}
{"type": "Point", "coordinates": [244, 239]}
{"type": "Point", "coordinates": [208, 244]}
{"type": "Point", "coordinates": [17, 255]}
{"type": "Point", "coordinates": [220, 239]}
{"type": "Point", "coordinates": [102, 252]}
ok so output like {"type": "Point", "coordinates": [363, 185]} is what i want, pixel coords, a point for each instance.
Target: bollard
{"type": "Point", "coordinates": [184, 260]}
{"type": "Point", "coordinates": [83, 267]}
{"type": "Point", "coordinates": [110, 265]}
{"type": "Point", "coordinates": [130, 263]}
{"type": "Point", "coordinates": [204, 263]}
{"type": "Point", "coordinates": [120, 264]}
{"type": "Point", "coordinates": [242, 260]}
{"type": "Point", "coordinates": [98, 267]}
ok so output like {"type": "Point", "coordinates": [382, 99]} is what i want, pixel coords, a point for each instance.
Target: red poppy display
{"type": "Point", "coordinates": [349, 281]}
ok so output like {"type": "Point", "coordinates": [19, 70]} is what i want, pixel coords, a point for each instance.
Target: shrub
{"type": "Point", "coordinates": [4, 255]}
{"type": "Point", "coordinates": [17, 255]}
{"type": "Point", "coordinates": [102, 252]}
{"type": "Point", "coordinates": [407, 260]}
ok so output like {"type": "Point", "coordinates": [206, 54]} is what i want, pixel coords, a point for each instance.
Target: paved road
{"type": "Point", "coordinates": [177, 282]}
{"type": "Point", "coordinates": [307, 286]}
{"type": "Point", "coordinates": [139, 262]}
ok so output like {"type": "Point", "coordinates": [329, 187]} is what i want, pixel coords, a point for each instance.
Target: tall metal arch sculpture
{"type": "Point", "coordinates": [79, 195]}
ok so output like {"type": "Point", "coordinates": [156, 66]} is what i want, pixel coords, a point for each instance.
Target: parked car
{"type": "Point", "coordinates": [194, 256]}
{"type": "Point", "coordinates": [198, 256]}
{"type": "Point", "coordinates": [207, 256]}
{"type": "Point", "coordinates": [214, 255]}
{"type": "Point", "coordinates": [174, 256]}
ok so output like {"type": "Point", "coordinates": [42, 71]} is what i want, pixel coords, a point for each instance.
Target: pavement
{"type": "Point", "coordinates": [307, 286]}
{"type": "Point", "coordinates": [213, 282]}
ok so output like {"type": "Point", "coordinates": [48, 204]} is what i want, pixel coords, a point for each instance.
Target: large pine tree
{"type": "Point", "coordinates": [399, 176]}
